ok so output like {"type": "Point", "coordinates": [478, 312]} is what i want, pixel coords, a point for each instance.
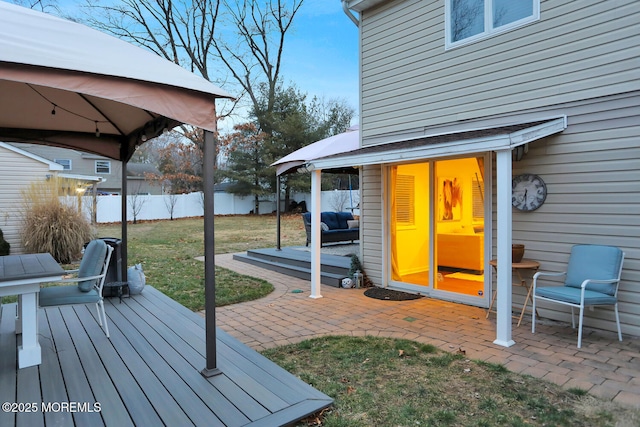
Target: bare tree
{"type": "Point", "coordinates": [254, 54]}
{"type": "Point", "coordinates": [49, 6]}
{"type": "Point", "coordinates": [170, 201]}
{"type": "Point", "coordinates": [136, 202]}
{"type": "Point", "coordinates": [339, 199]}
{"type": "Point", "coordinates": [180, 31]}
{"type": "Point", "coordinates": [188, 33]}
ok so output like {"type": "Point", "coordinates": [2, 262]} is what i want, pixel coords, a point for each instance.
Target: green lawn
{"type": "Point", "coordinates": [388, 382]}
{"type": "Point", "coordinates": [167, 251]}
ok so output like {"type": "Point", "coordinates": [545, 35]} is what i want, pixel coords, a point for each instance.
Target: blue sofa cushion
{"type": "Point", "coordinates": [594, 262]}
{"type": "Point", "coordinates": [572, 295]}
{"type": "Point", "coordinates": [63, 295]}
{"type": "Point", "coordinates": [342, 218]}
{"type": "Point", "coordinates": [333, 220]}
{"type": "Point", "coordinates": [92, 263]}
{"type": "Point", "coordinates": [330, 219]}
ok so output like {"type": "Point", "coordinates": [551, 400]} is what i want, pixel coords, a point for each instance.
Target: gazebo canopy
{"type": "Point", "coordinates": [67, 85]}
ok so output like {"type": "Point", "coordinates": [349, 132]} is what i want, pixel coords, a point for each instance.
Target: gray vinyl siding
{"type": "Point", "coordinates": [576, 51]}
{"type": "Point", "coordinates": [371, 223]}
{"type": "Point", "coordinates": [592, 173]}
{"type": "Point", "coordinates": [16, 173]}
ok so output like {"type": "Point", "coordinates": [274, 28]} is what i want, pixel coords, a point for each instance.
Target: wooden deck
{"type": "Point", "coordinates": [147, 374]}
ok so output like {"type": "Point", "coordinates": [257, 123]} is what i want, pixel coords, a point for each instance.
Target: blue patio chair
{"type": "Point", "coordinates": [592, 279]}
{"type": "Point", "coordinates": [90, 279]}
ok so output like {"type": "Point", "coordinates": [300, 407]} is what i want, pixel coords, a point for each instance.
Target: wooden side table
{"type": "Point", "coordinates": [525, 264]}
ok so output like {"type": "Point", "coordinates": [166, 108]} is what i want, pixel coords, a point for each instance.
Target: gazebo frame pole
{"type": "Point", "coordinates": [209, 156]}
{"type": "Point", "coordinates": [124, 253]}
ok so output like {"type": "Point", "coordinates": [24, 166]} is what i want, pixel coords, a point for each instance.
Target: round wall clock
{"type": "Point", "coordinates": [528, 192]}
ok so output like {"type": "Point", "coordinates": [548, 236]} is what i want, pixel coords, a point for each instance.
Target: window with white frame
{"type": "Point", "coordinates": [470, 20]}
{"type": "Point", "coordinates": [103, 166]}
{"type": "Point", "coordinates": [66, 163]}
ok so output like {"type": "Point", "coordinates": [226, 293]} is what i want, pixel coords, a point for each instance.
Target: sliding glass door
{"type": "Point", "coordinates": [410, 224]}
{"type": "Point", "coordinates": [436, 227]}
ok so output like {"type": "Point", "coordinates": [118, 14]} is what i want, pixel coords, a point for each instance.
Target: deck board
{"type": "Point", "coordinates": [75, 377]}
{"type": "Point", "coordinates": [186, 361]}
{"type": "Point", "coordinates": [248, 364]}
{"type": "Point", "coordinates": [51, 381]}
{"type": "Point", "coordinates": [8, 365]}
{"type": "Point", "coordinates": [148, 373]}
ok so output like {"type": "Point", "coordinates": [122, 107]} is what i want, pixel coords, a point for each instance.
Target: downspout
{"type": "Point", "coordinates": [347, 12]}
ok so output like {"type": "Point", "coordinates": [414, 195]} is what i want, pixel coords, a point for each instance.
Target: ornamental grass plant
{"type": "Point", "coordinates": [52, 222]}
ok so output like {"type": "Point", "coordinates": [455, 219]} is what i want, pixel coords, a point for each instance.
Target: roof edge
{"type": "Point", "coordinates": [360, 5]}
{"type": "Point", "coordinates": [442, 145]}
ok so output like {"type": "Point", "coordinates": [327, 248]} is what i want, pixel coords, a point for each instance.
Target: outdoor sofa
{"type": "Point", "coordinates": [336, 227]}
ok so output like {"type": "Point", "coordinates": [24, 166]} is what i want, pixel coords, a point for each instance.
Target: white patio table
{"type": "Point", "coordinates": [22, 275]}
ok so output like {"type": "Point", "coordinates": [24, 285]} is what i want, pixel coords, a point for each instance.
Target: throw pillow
{"type": "Point", "coordinates": [324, 227]}
{"type": "Point", "coordinates": [353, 223]}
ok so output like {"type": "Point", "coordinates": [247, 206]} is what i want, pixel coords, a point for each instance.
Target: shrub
{"type": "Point", "coordinates": [52, 225]}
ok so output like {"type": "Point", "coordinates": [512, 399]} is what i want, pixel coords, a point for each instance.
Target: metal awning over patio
{"type": "Point", "coordinates": [147, 374]}
{"type": "Point", "coordinates": [508, 137]}
{"type": "Point", "coordinates": [337, 144]}
{"type": "Point", "coordinates": [507, 142]}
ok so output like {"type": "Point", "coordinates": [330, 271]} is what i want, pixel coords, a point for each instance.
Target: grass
{"type": "Point", "coordinates": [167, 251]}
{"type": "Point", "coordinates": [388, 382]}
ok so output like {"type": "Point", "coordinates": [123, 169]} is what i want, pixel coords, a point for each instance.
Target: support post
{"type": "Point", "coordinates": [278, 211]}
{"type": "Point", "coordinates": [504, 228]}
{"type": "Point", "coordinates": [123, 224]}
{"type": "Point", "coordinates": [315, 233]}
{"type": "Point", "coordinates": [211, 368]}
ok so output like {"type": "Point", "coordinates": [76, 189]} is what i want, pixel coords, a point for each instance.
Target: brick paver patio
{"type": "Point", "coordinates": [604, 366]}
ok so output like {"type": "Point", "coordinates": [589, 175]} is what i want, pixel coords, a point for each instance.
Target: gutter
{"type": "Point", "coordinates": [351, 16]}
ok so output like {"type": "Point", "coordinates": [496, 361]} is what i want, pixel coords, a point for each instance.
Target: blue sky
{"type": "Point", "coordinates": [320, 52]}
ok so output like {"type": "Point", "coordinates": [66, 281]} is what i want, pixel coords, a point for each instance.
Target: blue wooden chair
{"type": "Point", "coordinates": [592, 279]}
{"type": "Point", "coordinates": [90, 280]}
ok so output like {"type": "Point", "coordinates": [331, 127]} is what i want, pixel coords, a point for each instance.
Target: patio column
{"type": "Point", "coordinates": [504, 276]}
{"type": "Point", "coordinates": [209, 157]}
{"type": "Point", "coordinates": [315, 233]}
{"type": "Point", "coordinates": [278, 212]}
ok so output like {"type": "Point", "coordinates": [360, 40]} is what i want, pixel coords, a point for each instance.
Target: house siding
{"type": "Point", "coordinates": [81, 164]}
{"type": "Point", "coordinates": [17, 172]}
{"type": "Point", "coordinates": [592, 175]}
{"type": "Point", "coordinates": [371, 203]}
{"type": "Point", "coordinates": [576, 51]}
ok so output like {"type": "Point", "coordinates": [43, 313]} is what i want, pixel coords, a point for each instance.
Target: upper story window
{"type": "Point", "coordinates": [471, 20]}
{"type": "Point", "coordinates": [66, 163]}
{"type": "Point", "coordinates": [103, 166]}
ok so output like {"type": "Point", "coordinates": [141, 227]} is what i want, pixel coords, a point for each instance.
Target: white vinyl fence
{"type": "Point", "coordinates": [191, 205]}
